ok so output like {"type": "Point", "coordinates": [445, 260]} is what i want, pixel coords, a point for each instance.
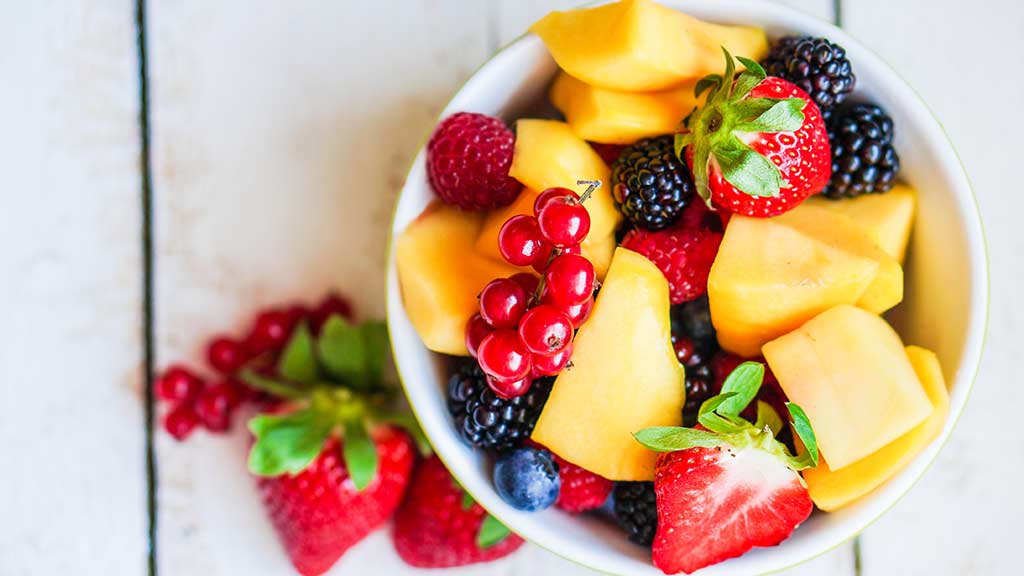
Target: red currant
{"type": "Point", "coordinates": [564, 221]}
{"type": "Point", "coordinates": [569, 280]}
{"type": "Point", "coordinates": [527, 281]}
{"type": "Point", "coordinates": [476, 330]}
{"type": "Point", "coordinates": [181, 421]}
{"type": "Point", "coordinates": [545, 330]}
{"type": "Point", "coordinates": [177, 384]}
{"type": "Point", "coordinates": [580, 312]}
{"type": "Point", "coordinates": [503, 303]}
{"type": "Point", "coordinates": [227, 356]}
{"type": "Point", "coordinates": [270, 331]}
{"type": "Point", "coordinates": [332, 305]}
{"type": "Point", "coordinates": [552, 364]}
{"type": "Point", "coordinates": [509, 388]}
{"type": "Point", "coordinates": [520, 241]}
{"type": "Point", "coordinates": [550, 194]}
{"type": "Point", "coordinates": [213, 407]}
{"type": "Point", "coordinates": [503, 356]}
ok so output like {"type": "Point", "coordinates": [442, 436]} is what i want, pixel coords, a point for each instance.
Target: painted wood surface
{"type": "Point", "coordinates": [71, 384]}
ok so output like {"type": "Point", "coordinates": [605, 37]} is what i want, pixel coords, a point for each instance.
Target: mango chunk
{"type": "Point", "coordinates": [848, 370]}
{"type": "Point", "coordinates": [549, 154]}
{"type": "Point", "coordinates": [832, 490]}
{"type": "Point", "coordinates": [612, 117]}
{"type": "Point", "coordinates": [625, 377]}
{"type": "Point", "coordinates": [773, 274]}
{"type": "Point", "coordinates": [640, 45]}
{"type": "Point", "coordinates": [887, 218]}
{"type": "Point", "coordinates": [441, 276]}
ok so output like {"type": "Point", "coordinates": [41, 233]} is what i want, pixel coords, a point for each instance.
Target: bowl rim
{"type": "Point", "coordinates": [977, 256]}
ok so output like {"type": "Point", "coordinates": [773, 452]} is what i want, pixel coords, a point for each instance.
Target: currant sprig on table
{"type": "Point", "coordinates": [526, 323]}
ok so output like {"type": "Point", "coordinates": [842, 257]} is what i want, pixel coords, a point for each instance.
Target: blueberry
{"type": "Point", "coordinates": [527, 479]}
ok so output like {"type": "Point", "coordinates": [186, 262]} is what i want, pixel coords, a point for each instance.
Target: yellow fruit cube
{"type": "Point", "coordinates": [640, 45]}
{"type": "Point", "coordinates": [887, 217]}
{"type": "Point", "coordinates": [832, 490]}
{"type": "Point", "coordinates": [849, 372]}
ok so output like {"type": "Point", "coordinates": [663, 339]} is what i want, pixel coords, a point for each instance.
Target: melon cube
{"type": "Point", "coordinates": [887, 218]}
{"type": "Point", "coordinates": [848, 370]}
{"type": "Point", "coordinates": [833, 489]}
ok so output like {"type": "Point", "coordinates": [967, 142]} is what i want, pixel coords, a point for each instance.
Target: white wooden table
{"type": "Point", "coordinates": [279, 135]}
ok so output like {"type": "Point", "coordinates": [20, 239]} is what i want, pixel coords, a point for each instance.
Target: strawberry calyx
{"type": "Point", "coordinates": [721, 423]}
{"type": "Point", "coordinates": [332, 384]}
{"type": "Point", "coordinates": [492, 532]}
{"type": "Point", "coordinates": [719, 131]}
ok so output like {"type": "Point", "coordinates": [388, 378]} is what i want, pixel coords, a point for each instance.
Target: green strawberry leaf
{"type": "Point", "coordinates": [467, 500]}
{"type": "Point", "coordinates": [724, 90]}
{"type": "Point", "coordinates": [745, 82]}
{"type": "Point", "coordinates": [783, 116]}
{"type": "Point", "coordinates": [802, 426]}
{"type": "Point", "coordinates": [345, 351]}
{"type": "Point", "coordinates": [743, 383]}
{"type": "Point", "coordinates": [274, 387]}
{"type": "Point", "coordinates": [753, 67]}
{"type": "Point", "coordinates": [750, 109]}
{"type": "Point", "coordinates": [708, 418]}
{"type": "Point", "coordinates": [675, 438]}
{"type": "Point", "coordinates": [491, 532]}
{"type": "Point", "coordinates": [359, 452]}
{"type": "Point", "coordinates": [375, 338]}
{"type": "Point", "coordinates": [747, 170]}
{"type": "Point", "coordinates": [298, 360]}
{"type": "Point", "coordinates": [705, 83]}
{"type": "Point", "coordinates": [286, 442]}
{"type": "Point", "coordinates": [767, 416]}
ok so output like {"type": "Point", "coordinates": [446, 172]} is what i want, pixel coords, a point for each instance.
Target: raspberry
{"type": "Point", "coordinates": [683, 256]}
{"type": "Point", "coordinates": [468, 158]}
{"type": "Point", "coordinates": [581, 489]}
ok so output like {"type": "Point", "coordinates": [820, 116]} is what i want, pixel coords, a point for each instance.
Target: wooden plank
{"type": "Point", "coordinates": [74, 488]}
{"type": "Point", "coordinates": [962, 516]}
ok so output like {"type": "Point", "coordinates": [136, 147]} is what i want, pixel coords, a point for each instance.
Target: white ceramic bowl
{"type": "Point", "coordinates": [945, 308]}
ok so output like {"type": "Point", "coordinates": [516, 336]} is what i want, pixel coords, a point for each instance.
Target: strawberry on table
{"type": "Point", "coordinates": [758, 147]}
{"type": "Point", "coordinates": [440, 526]}
{"type": "Point", "coordinates": [727, 485]}
{"type": "Point", "coordinates": [331, 462]}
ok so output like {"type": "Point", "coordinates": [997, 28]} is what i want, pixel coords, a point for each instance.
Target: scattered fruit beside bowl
{"type": "Point", "coordinates": [681, 310]}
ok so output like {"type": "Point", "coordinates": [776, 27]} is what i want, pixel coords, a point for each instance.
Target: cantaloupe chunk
{"type": "Point", "coordinates": [638, 45]}
{"type": "Point", "coordinates": [849, 372]}
{"type": "Point", "coordinates": [613, 117]}
{"type": "Point", "coordinates": [773, 274]}
{"type": "Point", "coordinates": [549, 154]}
{"type": "Point", "coordinates": [625, 377]}
{"type": "Point", "coordinates": [832, 490]}
{"type": "Point", "coordinates": [441, 276]}
{"type": "Point", "coordinates": [887, 217]}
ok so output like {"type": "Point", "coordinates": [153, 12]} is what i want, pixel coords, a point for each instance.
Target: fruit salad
{"type": "Point", "coordinates": [665, 303]}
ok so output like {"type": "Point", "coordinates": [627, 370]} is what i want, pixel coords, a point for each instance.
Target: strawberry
{"type": "Point", "coordinates": [727, 485]}
{"type": "Point", "coordinates": [319, 513]}
{"type": "Point", "coordinates": [330, 463]}
{"type": "Point", "coordinates": [439, 526]}
{"type": "Point", "coordinates": [758, 147]}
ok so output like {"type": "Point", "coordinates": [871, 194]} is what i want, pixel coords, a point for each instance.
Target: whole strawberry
{"type": "Point", "coordinates": [758, 147]}
{"type": "Point", "coordinates": [468, 158]}
{"type": "Point", "coordinates": [330, 462]}
{"type": "Point", "coordinates": [727, 485]}
{"type": "Point", "coordinates": [684, 256]}
{"type": "Point", "coordinates": [439, 525]}
{"type": "Point", "coordinates": [319, 513]}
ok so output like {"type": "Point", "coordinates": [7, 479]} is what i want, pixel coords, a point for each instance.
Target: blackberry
{"type": "Point", "coordinates": [694, 339]}
{"type": "Point", "coordinates": [817, 66]}
{"type": "Point", "coordinates": [863, 158]}
{"type": "Point", "coordinates": [695, 318]}
{"type": "Point", "coordinates": [486, 421]}
{"type": "Point", "coordinates": [650, 185]}
{"type": "Point", "coordinates": [636, 511]}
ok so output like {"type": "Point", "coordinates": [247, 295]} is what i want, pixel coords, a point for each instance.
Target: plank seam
{"type": "Point", "coordinates": [146, 205]}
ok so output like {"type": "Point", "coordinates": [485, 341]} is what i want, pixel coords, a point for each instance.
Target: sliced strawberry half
{"type": "Point", "coordinates": [727, 485]}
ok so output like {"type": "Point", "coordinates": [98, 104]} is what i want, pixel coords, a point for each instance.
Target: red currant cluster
{"type": "Point", "coordinates": [525, 326]}
{"type": "Point", "coordinates": [193, 401]}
